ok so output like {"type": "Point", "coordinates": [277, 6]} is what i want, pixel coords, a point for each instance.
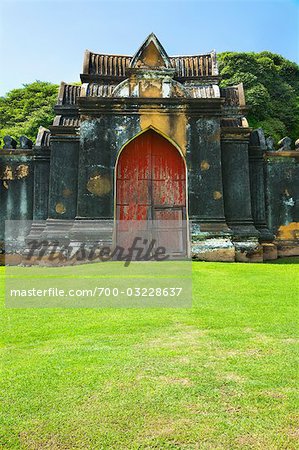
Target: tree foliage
{"type": "Point", "coordinates": [271, 85]}
{"type": "Point", "coordinates": [23, 110]}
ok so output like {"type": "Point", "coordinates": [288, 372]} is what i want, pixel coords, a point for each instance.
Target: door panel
{"type": "Point", "coordinates": [170, 229]}
{"type": "Point", "coordinates": [169, 193]}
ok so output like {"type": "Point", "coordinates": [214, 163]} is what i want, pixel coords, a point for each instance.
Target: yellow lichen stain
{"type": "Point", "coordinates": [150, 88]}
{"type": "Point", "coordinates": [288, 232]}
{"type": "Point", "coordinates": [99, 184]}
{"type": "Point", "coordinates": [67, 192]}
{"type": "Point", "coordinates": [217, 195]}
{"type": "Point", "coordinates": [6, 176]}
{"type": "Point", "coordinates": [60, 208]}
{"type": "Point", "coordinates": [150, 57]}
{"type": "Point", "coordinates": [204, 165]}
{"type": "Point", "coordinates": [7, 173]}
{"type": "Point", "coordinates": [174, 127]}
{"type": "Point", "coordinates": [22, 171]}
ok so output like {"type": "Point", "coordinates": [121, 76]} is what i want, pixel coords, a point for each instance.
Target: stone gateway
{"type": "Point", "coordinates": [153, 136]}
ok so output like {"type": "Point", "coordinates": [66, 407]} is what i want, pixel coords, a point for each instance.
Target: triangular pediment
{"type": "Point", "coordinates": [151, 54]}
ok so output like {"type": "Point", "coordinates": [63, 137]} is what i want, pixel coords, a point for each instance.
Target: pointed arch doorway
{"type": "Point", "coordinates": [151, 193]}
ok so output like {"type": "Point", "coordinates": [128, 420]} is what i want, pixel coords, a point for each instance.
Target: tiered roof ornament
{"type": "Point", "coordinates": [151, 54]}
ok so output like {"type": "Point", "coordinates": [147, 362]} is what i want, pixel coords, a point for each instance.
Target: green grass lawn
{"type": "Point", "coordinates": [221, 375]}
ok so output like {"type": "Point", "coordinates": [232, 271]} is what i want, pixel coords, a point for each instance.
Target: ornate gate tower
{"type": "Point", "coordinates": [169, 107]}
{"type": "Point", "coordinates": [153, 136]}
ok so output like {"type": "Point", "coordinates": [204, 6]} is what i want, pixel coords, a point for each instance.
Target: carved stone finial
{"type": "Point", "coordinates": [25, 142]}
{"type": "Point", "coordinates": [43, 137]}
{"type": "Point", "coordinates": [285, 144]}
{"type": "Point", "coordinates": [257, 138]}
{"type": "Point", "coordinates": [9, 142]}
{"type": "Point", "coordinates": [270, 144]}
{"type": "Point", "coordinates": [297, 145]}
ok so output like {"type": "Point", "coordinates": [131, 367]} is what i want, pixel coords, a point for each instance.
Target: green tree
{"type": "Point", "coordinates": [271, 85]}
{"type": "Point", "coordinates": [23, 110]}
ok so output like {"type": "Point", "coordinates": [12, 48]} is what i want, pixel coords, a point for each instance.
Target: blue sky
{"type": "Point", "coordinates": [46, 39]}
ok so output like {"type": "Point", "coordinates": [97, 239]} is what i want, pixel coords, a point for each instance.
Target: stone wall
{"type": "Point", "coordinates": [282, 195]}
{"type": "Point", "coordinates": [16, 183]}
{"type": "Point", "coordinates": [243, 192]}
{"type": "Point", "coordinates": [24, 181]}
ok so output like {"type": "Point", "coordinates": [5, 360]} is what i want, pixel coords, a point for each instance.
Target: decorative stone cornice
{"type": "Point", "coordinates": [282, 154]}
{"type": "Point", "coordinates": [41, 153]}
{"type": "Point", "coordinates": [235, 134]}
{"type": "Point", "coordinates": [92, 106]}
{"type": "Point", "coordinates": [64, 133]}
{"type": "Point", "coordinates": [17, 152]}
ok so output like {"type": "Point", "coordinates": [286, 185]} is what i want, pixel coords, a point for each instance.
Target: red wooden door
{"type": "Point", "coordinates": [151, 187]}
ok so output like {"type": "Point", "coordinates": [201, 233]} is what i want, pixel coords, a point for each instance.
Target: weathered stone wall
{"type": "Point", "coordinates": [103, 134]}
{"type": "Point", "coordinates": [16, 186]}
{"type": "Point", "coordinates": [100, 141]}
{"type": "Point", "coordinates": [282, 199]}
{"type": "Point", "coordinates": [240, 182]}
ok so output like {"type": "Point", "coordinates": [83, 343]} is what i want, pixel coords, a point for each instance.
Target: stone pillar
{"type": "Point", "coordinates": [41, 182]}
{"type": "Point", "coordinates": [257, 148]}
{"type": "Point", "coordinates": [210, 233]}
{"type": "Point", "coordinates": [41, 161]}
{"type": "Point", "coordinates": [63, 183]}
{"type": "Point", "coordinates": [63, 173]}
{"type": "Point", "coordinates": [237, 195]}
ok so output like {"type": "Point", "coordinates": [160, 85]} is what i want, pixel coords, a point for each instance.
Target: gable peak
{"type": "Point", "coordinates": [151, 54]}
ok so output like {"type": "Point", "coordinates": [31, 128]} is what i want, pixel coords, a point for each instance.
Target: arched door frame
{"type": "Point", "coordinates": [186, 176]}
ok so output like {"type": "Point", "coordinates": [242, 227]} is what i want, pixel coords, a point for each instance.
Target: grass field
{"type": "Point", "coordinates": [221, 375]}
